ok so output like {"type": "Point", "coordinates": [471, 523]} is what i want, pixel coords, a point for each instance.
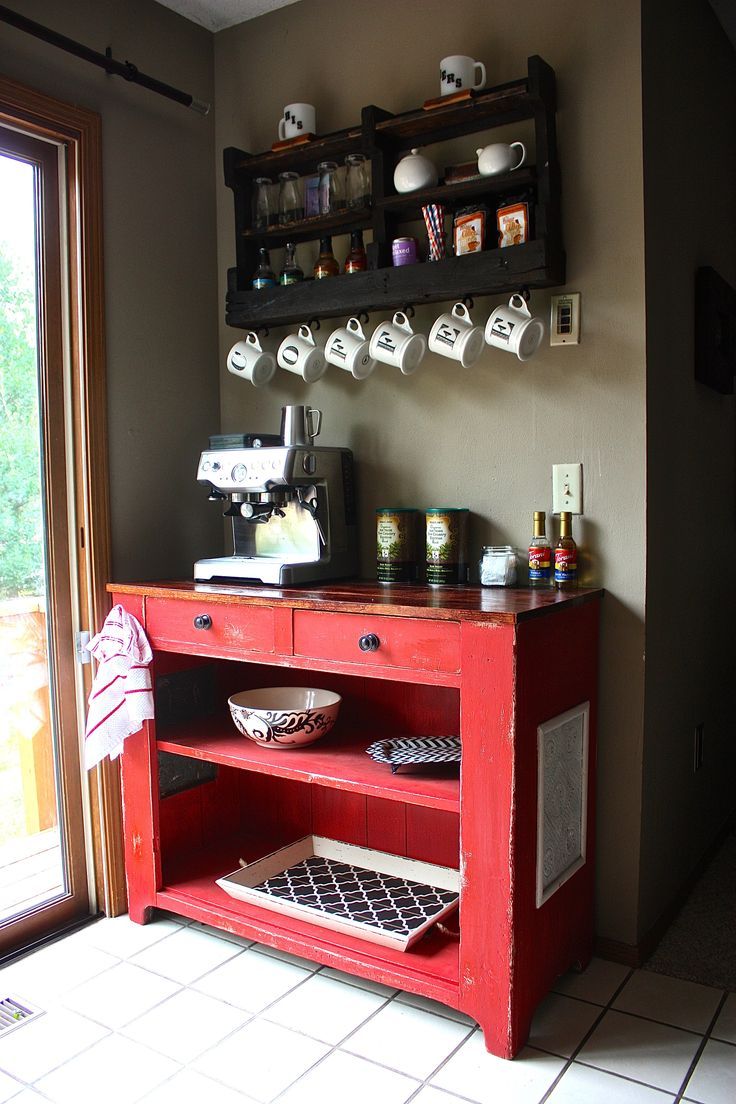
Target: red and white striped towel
{"type": "Point", "coordinates": [121, 698]}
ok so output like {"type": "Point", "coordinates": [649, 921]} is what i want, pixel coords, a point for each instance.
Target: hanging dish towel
{"type": "Point", "coordinates": [121, 698]}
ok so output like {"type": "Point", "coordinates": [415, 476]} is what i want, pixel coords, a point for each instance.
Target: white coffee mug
{"type": "Point", "coordinates": [300, 354]}
{"type": "Point", "coordinates": [458, 72]}
{"type": "Point", "coordinates": [453, 335]}
{"type": "Point", "coordinates": [512, 328]}
{"type": "Point", "coordinates": [298, 118]}
{"type": "Point", "coordinates": [349, 348]}
{"type": "Point", "coordinates": [249, 361]}
{"type": "Point", "coordinates": [500, 158]}
{"type": "Point", "coordinates": [395, 343]}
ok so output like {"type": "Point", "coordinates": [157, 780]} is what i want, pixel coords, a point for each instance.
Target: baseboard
{"type": "Point", "coordinates": [636, 954]}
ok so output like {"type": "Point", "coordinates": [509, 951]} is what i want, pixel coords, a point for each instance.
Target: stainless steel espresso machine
{"type": "Point", "coordinates": [292, 504]}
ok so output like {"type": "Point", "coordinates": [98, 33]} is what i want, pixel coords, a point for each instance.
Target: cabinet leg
{"type": "Point", "coordinates": [140, 914]}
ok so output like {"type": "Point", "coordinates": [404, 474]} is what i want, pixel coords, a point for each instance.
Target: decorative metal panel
{"type": "Point", "coordinates": [562, 761]}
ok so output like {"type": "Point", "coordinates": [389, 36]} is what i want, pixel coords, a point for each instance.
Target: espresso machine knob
{"type": "Point", "coordinates": [369, 643]}
{"type": "Point", "coordinates": [203, 621]}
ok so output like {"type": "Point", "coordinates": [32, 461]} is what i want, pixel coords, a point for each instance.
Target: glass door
{"type": "Point", "coordinates": [43, 881]}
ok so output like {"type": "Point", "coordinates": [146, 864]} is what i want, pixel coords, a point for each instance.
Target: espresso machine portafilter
{"type": "Point", "coordinates": [292, 506]}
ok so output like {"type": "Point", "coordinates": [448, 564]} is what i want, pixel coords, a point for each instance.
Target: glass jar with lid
{"type": "Point", "coordinates": [498, 564]}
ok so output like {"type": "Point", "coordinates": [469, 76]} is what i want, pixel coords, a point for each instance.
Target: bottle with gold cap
{"type": "Point", "coordinates": [540, 553]}
{"type": "Point", "coordinates": [566, 555]}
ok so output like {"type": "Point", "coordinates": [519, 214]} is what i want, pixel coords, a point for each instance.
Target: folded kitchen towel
{"type": "Point", "coordinates": [121, 698]}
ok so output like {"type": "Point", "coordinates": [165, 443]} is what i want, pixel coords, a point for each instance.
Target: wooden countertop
{"type": "Point", "coordinates": [447, 603]}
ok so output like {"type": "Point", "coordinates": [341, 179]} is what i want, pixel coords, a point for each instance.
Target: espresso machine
{"type": "Point", "coordinates": [292, 504]}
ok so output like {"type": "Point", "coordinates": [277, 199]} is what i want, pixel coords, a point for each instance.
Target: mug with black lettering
{"type": "Point", "coordinates": [395, 343]}
{"type": "Point", "coordinates": [299, 353]}
{"type": "Point", "coordinates": [349, 348]}
{"type": "Point", "coordinates": [513, 329]}
{"type": "Point", "coordinates": [458, 73]}
{"type": "Point", "coordinates": [455, 336]}
{"type": "Point", "coordinates": [298, 119]}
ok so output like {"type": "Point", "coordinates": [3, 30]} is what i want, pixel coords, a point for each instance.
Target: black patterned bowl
{"type": "Point", "coordinates": [284, 716]}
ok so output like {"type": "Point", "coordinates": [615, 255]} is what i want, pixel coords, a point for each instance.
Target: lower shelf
{"type": "Point", "coordinates": [430, 968]}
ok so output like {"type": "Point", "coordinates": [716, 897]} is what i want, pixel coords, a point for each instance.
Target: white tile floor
{"type": "Point", "coordinates": [171, 1013]}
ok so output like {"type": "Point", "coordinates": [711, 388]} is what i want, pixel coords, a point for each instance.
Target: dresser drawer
{"type": "Point", "coordinates": [412, 643]}
{"type": "Point", "coordinates": [216, 628]}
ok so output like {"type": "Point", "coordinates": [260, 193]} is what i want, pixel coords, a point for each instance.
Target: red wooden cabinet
{"type": "Point", "coordinates": [514, 672]}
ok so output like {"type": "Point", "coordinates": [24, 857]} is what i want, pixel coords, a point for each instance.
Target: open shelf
{"type": "Point", "coordinates": [456, 195]}
{"type": "Point", "coordinates": [302, 158]}
{"type": "Point", "coordinates": [534, 264]}
{"type": "Point", "coordinates": [430, 968]}
{"type": "Point", "coordinates": [308, 229]}
{"type": "Point", "coordinates": [338, 762]}
{"type": "Point", "coordinates": [506, 103]}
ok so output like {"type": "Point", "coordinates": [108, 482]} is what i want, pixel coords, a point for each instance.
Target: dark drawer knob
{"type": "Point", "coordinates": [203, 621]}
{"type": "Point", "coordinates": [369, 643]}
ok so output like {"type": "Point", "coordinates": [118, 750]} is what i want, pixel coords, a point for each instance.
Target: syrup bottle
{"type": "Point", "coordinates": [566, 555]}
{"type": "Point", "coordinates": [356, 260]}
{"type": "Point", "coordinates": [264, 275]}
{"type": "Point", "coordinates": [540, 554]}
{"type": "Point", "coordinates": [326, 264]}
{"type": "Point", "coordinates": [291, 273]}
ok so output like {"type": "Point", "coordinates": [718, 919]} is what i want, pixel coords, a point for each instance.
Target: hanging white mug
{"type": "Point", "coordinates": [458, 72]}
{"type": "Point", "coordinates": [514, 330]}
{"type": "Point", "coordinates": [349, 348]}
{"type": "Point", "coordinates": [300, 354]}
{"type": "Point", "coordinates": [249, 361]}
{"type": "Point", "coordinates": [395, 343]}
{"type": "Point", "coordinates": [453, 335]}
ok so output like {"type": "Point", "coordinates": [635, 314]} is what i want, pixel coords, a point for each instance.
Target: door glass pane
{"type": "Point", "coordinates": [32, 866]}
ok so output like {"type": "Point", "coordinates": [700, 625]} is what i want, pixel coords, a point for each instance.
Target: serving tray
{"type": "Point", "coordinates": [384, 898]}
{"type": "Point", "coordinates": [416, 751]}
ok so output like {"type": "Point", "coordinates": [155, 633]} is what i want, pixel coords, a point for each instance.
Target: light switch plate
{"type": "Point", "coordinates": [567, 488]}
{"type": "Point", "coordinates": [564, 321]}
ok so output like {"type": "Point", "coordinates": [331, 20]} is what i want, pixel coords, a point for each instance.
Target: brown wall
{"type": "Point", "coordinates": [689, 102]}
{"type": "Point", "coordinates": [487, 437]}
{"type": "Point", "coordinates": [160, 284]}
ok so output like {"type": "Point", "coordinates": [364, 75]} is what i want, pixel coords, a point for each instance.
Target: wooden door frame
{"type": "Point", "coordinates": [80, 132]}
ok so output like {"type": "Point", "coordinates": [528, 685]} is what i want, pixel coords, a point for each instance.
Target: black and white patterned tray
{"type": "Point", "coordinates": [416, 751]}
{"type": "Point", "coordinates": [384, 898]}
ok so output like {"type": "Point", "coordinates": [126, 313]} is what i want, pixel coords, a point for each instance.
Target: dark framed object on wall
{"type": "Point", "coordinates": [715, 331]}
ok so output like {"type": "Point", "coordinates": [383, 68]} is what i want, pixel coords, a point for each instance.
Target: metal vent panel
{"type": "Point", "coordinates": [15, 1012]}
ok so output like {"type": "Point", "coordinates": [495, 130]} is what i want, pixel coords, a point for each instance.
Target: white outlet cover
{"type": "Point", "coordinates": [567, 488]}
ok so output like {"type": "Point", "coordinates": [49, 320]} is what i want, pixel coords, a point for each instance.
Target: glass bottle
{"type": "Point", "coordinates": [566, 555]}
{"type": "Point", "coordinates": [326, 264]}
{"type": "Point", "coordinates": [264, 275]}
{"type": "Point", "coordinates": [540, 553]}
{"type": "Point", "coordinates": [356, 180]}
{"type": "Point", "coordinates": [291, 206]}
{"type": "Point", "coordinates": [331, 189]}
{"type": "Point", "coordinates": [291, 273]}
{"type": "Point", "coordinates": [261, 202]}
{"type": "Point", "coordinates": [356, 260]}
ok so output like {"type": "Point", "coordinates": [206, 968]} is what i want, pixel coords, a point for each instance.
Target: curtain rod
{"type": "Point", "coordinates": [105, 61]}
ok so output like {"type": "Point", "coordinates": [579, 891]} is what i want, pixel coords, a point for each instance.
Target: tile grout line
{"type": "Point", "coordinates": [699, 1052]}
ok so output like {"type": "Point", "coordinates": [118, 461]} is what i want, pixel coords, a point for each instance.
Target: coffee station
{"type": "Point", "coordinates": [403, 740]}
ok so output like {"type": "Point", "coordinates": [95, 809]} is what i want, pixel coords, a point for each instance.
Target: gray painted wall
{"type": "Point", "coordinates": [160, 265]}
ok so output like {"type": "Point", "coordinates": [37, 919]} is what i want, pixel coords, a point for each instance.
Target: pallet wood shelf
{"type": "Point", "coordinates": [382, 137]}
{"type": "Point", "coordinates": [493, 665]}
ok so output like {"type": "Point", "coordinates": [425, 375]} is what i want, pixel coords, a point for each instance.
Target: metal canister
{"type": "Point", "coordinates": [447, 545]}
{"type": "Point", "coordinates": [396, 545]}
{"type": "Point", "coordinates": [404, 251]}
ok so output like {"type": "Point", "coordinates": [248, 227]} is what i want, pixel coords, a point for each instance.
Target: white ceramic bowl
{"type": "Point", "coordinates": [284, 716]}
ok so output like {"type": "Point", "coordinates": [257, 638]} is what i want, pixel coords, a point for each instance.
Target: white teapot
{"type": "Point", "coordinates": [499, 158]}
{"type": "Point", "coordinates": [414, 172]}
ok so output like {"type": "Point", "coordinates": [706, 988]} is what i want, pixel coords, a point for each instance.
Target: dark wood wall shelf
{"type": "Point", "coordinates": [382, 137]}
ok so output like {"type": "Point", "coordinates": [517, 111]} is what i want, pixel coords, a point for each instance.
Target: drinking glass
{"type": "Point", "coordinates": [357, 186]}
{"type": "Point", "coordinates": [331, 188]}
{"type": "Point", "coordinates": [291, 207]}
{"type": "Point", "coordinates": [262, 202]}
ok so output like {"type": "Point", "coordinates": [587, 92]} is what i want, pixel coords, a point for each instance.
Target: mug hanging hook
{"type": "Point", "coordinates": [313, 324]}
{"type": "Point", "coordinates": [408, 310]}
{"type": "Point", "coordinates": [468, 302]}
{"type": "Point", "coordinates": [525, 294]}
{"type": "Point", "coordinates": [364, 317]}
{"type": "Point", "coordinates": [262, 330]}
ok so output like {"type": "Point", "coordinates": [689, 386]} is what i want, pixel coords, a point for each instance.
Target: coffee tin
{"type": "Point", "coordinates": [404, 251]}
{"type": "Point", "coordinates": [447, 545]}
{"type": "Point", "coordinates": [396, 545]}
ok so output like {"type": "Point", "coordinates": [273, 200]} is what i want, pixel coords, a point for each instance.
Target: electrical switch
{"type": "Point", "coordinates": [564, 323]}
